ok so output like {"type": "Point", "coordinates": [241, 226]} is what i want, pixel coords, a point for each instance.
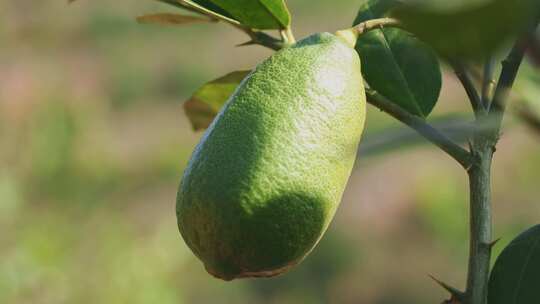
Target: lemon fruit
{"type": "Point", "coordinates": [266, 178]}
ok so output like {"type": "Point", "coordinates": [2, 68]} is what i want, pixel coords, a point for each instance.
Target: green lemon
{"type": "Point", "coordinates": [266, 178]}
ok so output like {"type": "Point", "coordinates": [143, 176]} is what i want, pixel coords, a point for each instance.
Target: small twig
{"type": "Point", "coordinates": [374, 24]}
{"type": "Point", "coordinates": [421, 126]}
{"type": "Point", "coordinates": [507, 78]}
{"type": "Point", "coordinates": [508, 75]}
{"type": "Point", "coordinates": [468, 84]}
{"type": "Point", "coordinates": [288, 37]}
{"type": "Point", "coordinates": [350, 35]}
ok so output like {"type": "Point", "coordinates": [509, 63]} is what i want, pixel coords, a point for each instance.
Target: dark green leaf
{"type": "Point", "coordinates": [372, 9]}
{"type": "Point", "coordinates": [206, 102]}
{"type": "Point", "coordinates": [213, 7]}
{"type": "Point", "coordinates": [515, 276]}
{"type": "Point", "coordinates": [258, 14]}
{"type": "Point", "coordinates": [204, 3]}
{"type": "Point", "coordinates": [470, 32]}
{"type": "Point", "coordinates": [398, 65]}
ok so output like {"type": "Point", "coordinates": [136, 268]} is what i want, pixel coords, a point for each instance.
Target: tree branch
{"type": "Point", "coordinates": [421, 126]}
{"type": "Point", "coordinates": [268, 41]}
{"type": "Point", "coordinates": [468, 84]}
{"type": "Point", "coordinates": [480, 222]}
{"type": "Point", "coordinates": [482, 148]}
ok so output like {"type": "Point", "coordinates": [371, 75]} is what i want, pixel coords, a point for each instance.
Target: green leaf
{"type": "Point", "coordinates": [206, 102]}
{"type": "Point", "coordinates": [171, 19]}
{"type": "Point", "coordinates": [372, 9]}
{"type": "Point", "coordinates": [397, 64]}
{"type": "Point", "coordinates": [213, 7]}
{"type": "Point", "coordinates": [258, 14]}
{"type": "Point", "coordinates": [470, 31]}
{"type": "Point", "coordinates": [204, 3]}
{"type": "Point", "coordinates": [515, 276]}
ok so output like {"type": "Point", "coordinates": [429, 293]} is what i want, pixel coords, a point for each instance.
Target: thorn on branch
{"type": "Point", "coordinates": [493, 243]}
{"type": "Point", "coordinates": [457, 295]}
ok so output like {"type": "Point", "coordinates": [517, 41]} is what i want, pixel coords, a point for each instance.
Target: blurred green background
{"type": "Point", "coordinates": [94, 139]}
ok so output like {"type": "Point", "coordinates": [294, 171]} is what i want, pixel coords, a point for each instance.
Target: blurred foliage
{"type": "Point", "coordinates": [94, 139]}
{"type": "Point", "coordinates": [208, 100]}
{"type": "Point", "coordinates": [442, 210]}
{"type": "Point", "coordinates": [471, 30]}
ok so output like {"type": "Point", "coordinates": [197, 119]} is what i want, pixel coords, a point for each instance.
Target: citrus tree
{"type": "Point", "coordinates": [390, 58]}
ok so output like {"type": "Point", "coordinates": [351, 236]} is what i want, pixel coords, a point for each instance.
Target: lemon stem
{"type": "Point", "coordinates": [350, 35]}
{"type": "Point", "coordinates": [287, 36]}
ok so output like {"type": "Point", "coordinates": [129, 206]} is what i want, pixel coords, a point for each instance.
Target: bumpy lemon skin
{"type": "Point", "coordinates": [266, 178]}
